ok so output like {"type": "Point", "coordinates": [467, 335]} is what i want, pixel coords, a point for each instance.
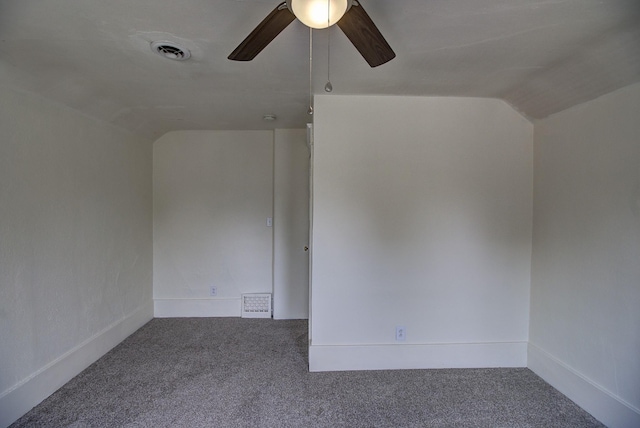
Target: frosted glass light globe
{"type": "Point", "coordinates": [319, 13]}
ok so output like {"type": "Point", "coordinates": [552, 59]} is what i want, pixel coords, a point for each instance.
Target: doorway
{"type": "Point", "coordinates": [291, 224]}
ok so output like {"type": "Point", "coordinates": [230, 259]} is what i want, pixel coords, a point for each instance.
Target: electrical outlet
{"type": "Point", "coordinates": [213, 290]}
{"type": "Point", "coordinates": [401, 334]}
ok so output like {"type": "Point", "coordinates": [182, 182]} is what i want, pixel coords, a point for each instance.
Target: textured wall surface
{"type": "Point", "coordinates": [75, 233]}
{"type": "Point", "coordinates": [213, 193]}
{"type": "Point", "coordinates": [422, 219]}
{"type": "Point", "coordinates": [585, 293]}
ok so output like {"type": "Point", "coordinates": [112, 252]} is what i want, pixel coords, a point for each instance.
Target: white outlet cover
{"type": "Point", "coordinates": [213, 291]}
{"type": "Point", "coordinates": [401, 334]}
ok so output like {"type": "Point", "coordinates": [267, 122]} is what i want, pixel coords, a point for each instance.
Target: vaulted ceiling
{"type": "Point", "coordinates": [540, 56]}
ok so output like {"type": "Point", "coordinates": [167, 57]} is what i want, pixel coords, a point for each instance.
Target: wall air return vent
{"type": "Point", "coordinates": [256, 305]}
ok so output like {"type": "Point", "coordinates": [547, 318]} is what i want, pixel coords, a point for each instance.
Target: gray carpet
{"type": "Point", "coordinates": [231, 372]}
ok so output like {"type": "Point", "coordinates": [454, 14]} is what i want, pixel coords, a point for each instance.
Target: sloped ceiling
{"type": "Point", "coordinates": [540, 56]}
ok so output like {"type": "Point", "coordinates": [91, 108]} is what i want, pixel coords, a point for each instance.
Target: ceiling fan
{"type": "Point", "coordinates": [350, 16]}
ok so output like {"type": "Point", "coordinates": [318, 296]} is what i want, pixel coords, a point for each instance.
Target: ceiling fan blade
{"type": "Point", "coordinates": [365, 36]}
{"type": "Point", "coordinates": [263, 34]}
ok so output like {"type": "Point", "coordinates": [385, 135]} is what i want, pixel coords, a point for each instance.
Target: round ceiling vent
{"type": "Point", "coordinates": [171, 51]}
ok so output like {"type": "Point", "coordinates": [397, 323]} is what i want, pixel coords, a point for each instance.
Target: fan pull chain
{"type": "Point", "coordinates": [328, 87]}
{"type": "Point", "coordinates": [310, 110]}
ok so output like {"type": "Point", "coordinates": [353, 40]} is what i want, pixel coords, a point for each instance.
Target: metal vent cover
{"type": "Point", "coordinates": [171, 50]}
{"type": "Point", "coordinates": [256, 305]}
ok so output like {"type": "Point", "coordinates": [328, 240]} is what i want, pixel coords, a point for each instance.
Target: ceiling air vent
{"type": "Point", "coordinates": [171, 51]}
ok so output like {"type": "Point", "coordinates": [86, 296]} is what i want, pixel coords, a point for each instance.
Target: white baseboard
{"type": "Point", "coordinates": [22, 397]}
{"type": "Point", "coordinates": [186, 308]}
{"type": "Point", "coordinates": [416, 356]}
{"type": "Point", "coordinates": [602, 404]}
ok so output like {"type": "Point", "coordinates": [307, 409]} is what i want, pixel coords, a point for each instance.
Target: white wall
{"type": "Point", "coordinates": [291, 225]}
{"type": "Point", "coordinates": [213, 191]}
{"type": "Point", "coordinates": [75, 245]}
{"type": "Point", "coordinates": [585, 294]}
{"type": "Point", "coordinates": [422, 219]}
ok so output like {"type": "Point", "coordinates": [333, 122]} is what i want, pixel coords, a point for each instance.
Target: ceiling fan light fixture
{"type": "Point", "coordinates": [350, 16]}
{"type": "Point", "coordinates": [319, 14]}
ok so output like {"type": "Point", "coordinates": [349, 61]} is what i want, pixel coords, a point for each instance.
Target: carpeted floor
{"type": "Point", "coordinates": [231, 372]}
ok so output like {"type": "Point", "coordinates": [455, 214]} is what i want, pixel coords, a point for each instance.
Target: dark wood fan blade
{"type": "Point", "coordinates": [263, 34]}
{"type": "Point", "coordinates": [365, 36]}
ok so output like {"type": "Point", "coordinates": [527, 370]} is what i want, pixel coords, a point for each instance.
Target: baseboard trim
{"type": "Point", "coordinates": [22, 397]}
{"type": "Point", "coordinates": [417, 356]}
{"type": "Point", "coordinates": [186, 308]}
{"type": "Point", "coordinates": [602, 404]}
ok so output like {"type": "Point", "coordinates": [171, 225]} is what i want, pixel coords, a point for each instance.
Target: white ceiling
{"type": "Point", "coordinates": [540, 56]}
